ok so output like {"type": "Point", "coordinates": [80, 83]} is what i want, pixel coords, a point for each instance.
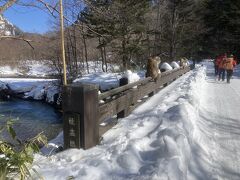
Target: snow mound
{"type": "Point", "coordinates": [105, 81]}
{"type": "Point", "coordinates": [174, 65]}
{"type": "Point", "coordinates": [131, 76]}
{"type": "Point", "coordinates": [165, 66]}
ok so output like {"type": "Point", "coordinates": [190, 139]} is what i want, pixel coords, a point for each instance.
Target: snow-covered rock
{"type": "Point", "coordinates": [36, 92]}
{"type": "Point", "coordinates": [165, 67]}
{"type": "Point", "coordinates": [174, 65]}
{"type": "Point", "coordinates": [131, 76]}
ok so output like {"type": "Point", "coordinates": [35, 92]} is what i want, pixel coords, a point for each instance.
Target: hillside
{"type": "Point", "coordinates": [15, 50]}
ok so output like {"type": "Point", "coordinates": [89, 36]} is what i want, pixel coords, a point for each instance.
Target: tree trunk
{"type": "Point", "coordinates": [124, 55]}
{"type": "Point", "coordinates": [86, 53]}
{"type": "Point", "coordinates": [85, 49]}
{"type": "Point", "coordinates": [105, 58]}
{"type": "Point", "coordinates": [68, 56]}
{"type": "Point", "coordinates": [156, 34]}
{"type": "Point", "coordinates": [75, 50]}
{"type": "Point", "coordinates": [173, 33]}
{"type": "Point", "coordinates": [102, 53]}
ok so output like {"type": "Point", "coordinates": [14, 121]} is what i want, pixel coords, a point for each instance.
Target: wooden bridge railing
{"type": "Point", "coordinates": [84, 110]}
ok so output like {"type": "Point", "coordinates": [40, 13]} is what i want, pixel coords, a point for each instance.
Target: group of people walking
{"type": "Point", "coordinates": [224, 63]}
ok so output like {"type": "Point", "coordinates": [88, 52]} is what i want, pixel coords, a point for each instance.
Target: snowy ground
{"type": "Point", "coordinates": [189, 130]}
{"type": "Point", "coordinates": [219, 122]}
{"type": "Point", "coordinates": [29, 68]}
{"type": "Point", "coordinates": [45, 68]}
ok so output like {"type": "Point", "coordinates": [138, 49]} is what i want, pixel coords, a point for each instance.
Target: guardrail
{"type": "Point", "coordinates": [84, 109]}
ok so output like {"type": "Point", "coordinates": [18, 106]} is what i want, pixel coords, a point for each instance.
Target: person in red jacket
{"type": "Point", "coordinates": [216, 63]}
{"type": "Point", "coordinates": [229, 65]}
{"type": "Point", "coordinates": [221, 69]}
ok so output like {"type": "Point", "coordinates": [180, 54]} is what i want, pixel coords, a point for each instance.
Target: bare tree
{"type": "Point", "coordinates": [7, 5]}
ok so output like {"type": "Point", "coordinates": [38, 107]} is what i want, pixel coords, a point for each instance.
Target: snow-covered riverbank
{"type": "Point", "coordinates": [37, 89]}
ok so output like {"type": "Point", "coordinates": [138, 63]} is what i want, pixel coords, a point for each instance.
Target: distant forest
{"type": "Point", "coordinates": [127, 32]}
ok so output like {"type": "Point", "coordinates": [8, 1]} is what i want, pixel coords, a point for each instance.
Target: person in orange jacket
{"type": "Point", "coordinates": [221, 67]}
{"type": "Point", "coordinates": [229, 65]}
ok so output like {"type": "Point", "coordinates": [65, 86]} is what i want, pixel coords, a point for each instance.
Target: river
{"type": "Point", "coordinates": [31, 118]}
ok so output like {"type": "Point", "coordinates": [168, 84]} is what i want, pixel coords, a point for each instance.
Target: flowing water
{"type": "Point", "coordinates": [31, 118]}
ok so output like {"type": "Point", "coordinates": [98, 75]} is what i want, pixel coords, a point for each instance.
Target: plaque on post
{"type": "Point", "coordinates": [80, 111]}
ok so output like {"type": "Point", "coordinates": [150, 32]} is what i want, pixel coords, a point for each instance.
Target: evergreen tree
{"type": "Point", "coordinates": [119, 23]}
{"type": "Point", "coordinates": [194, 30]}
{"type": "Point", "coordinates": [222, 18]}
{"type": "Point", "coordinates": [129, 27]}
{"type": "Point", "coordinates": [96, 17]}
{"type": "Point", "coordinates": [178, 31]}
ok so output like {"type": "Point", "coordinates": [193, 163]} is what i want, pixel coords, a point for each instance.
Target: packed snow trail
{"type": "Point", "coordinates": [220, 124]}
{"type": "Point", "coordinates": [187, 131]}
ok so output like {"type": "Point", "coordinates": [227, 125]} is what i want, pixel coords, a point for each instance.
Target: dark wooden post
{"type": "Point", "coordinates": [164, 85]}
{"type": "Point", "coordinates": [151, 94]}
{"type": "Point", "coordinates": [123, 81]}
{"type": "Point", "coordinates": [80, 113]}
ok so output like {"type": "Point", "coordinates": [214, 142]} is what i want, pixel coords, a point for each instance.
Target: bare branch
{"type": "Point", "coordinates": [7, 5]}
{"type": "Point", "coordinates": [50, 9]}
{"type": "Point", "coordinates": [53, 9]}
{"type": "Point", "coordinates": [18, 38]}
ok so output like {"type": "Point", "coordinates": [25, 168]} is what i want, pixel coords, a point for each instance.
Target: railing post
{"type": "Point", "coordinates": [122, 82]}
{"type": "Point", "coordinates": [151, 94]}
{"type": "Point", "coordinates": [80, 116]}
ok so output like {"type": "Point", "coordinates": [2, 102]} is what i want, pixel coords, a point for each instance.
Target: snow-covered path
{"type": "Point", "coordinates": [220, 123]}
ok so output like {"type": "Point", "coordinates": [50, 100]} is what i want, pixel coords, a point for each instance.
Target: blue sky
{"type": "Point", "coordinates": [29, 19]}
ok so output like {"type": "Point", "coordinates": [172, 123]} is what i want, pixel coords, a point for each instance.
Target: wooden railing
{"type": "Point", "coordinates": [84, 110]}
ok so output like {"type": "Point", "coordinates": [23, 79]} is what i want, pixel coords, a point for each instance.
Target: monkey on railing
{"type": "Point", "coordinates": [153, 67]}
{"type": "Point", "coordinates": [183, 62]}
